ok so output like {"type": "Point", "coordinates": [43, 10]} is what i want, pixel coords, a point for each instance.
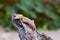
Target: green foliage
{"type": "Point", "coordinates": [45, 16]}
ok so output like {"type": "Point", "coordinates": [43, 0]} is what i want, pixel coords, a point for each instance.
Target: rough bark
{"type": "Point", "coordinates": [26, 32]}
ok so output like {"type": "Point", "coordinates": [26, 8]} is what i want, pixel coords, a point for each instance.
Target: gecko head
{"type": "Point", "coordinates": [16, 22]}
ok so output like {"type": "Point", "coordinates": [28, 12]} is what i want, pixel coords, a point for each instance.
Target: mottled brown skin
{"type": "Point", "coordinates": [25, 32]}
{"type": "Point", "coordinates": [26, 20]}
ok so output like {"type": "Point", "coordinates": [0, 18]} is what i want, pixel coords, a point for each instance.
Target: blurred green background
{"type": "Point", "coordinates": [46, 13]}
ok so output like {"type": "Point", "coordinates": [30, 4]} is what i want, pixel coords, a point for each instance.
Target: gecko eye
{"type": "Point", "coordinates": [14, 16]}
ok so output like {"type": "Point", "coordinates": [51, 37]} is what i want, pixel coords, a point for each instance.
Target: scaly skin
{"type": "Point", "coordinates": [26, 20]}
{"type": "Point", "coordinates": [25, 31]}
